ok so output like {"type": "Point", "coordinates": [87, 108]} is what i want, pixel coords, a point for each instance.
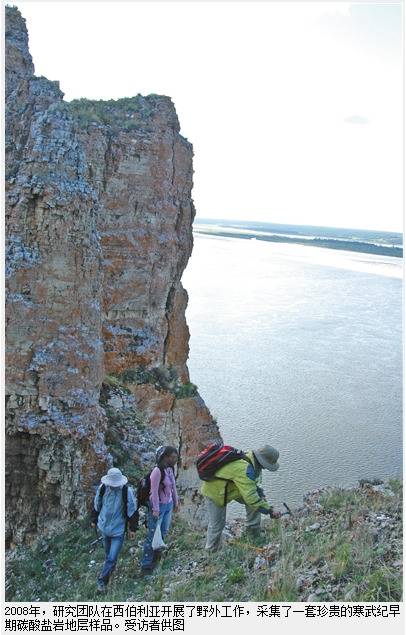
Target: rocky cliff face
{"type": "Point", "coordinates": [99, 230]}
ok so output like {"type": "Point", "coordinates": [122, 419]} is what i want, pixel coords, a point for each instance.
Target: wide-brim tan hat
{"type": "Point", "coordinates": [114, 478]}
{"type": "Point", "coordinates": [267, 457]}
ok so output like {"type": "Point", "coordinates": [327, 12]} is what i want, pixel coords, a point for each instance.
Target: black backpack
{"type": "Point", "coordinates": [214, 457]}
{"type": "Point", "coordinates": [144, 487]}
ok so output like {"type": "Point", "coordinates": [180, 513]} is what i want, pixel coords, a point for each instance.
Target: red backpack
{"type": "Point", "coordinates": [214, 457]}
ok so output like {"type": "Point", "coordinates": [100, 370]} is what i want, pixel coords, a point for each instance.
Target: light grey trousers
{"type": "Point", "coordinates": [217, 521]}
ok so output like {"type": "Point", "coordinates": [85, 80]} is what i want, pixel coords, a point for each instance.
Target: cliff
{"type": "Point", "coordinates": [99, 230]}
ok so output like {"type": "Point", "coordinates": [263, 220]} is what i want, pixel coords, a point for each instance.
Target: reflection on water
{"type": "Point", "coordinates": [300, 347]}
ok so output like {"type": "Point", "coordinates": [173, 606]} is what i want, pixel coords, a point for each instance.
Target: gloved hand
{"type": "Point", "coordinates": [274, 514]}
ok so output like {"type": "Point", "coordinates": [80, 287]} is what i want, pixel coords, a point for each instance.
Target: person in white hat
{"type": "Point", "coordinates": [115, 505]}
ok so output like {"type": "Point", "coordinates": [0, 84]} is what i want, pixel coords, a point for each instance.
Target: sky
{"type": "Point", "coordinates": [294, 109]}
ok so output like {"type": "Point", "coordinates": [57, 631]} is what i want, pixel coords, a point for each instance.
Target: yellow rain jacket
{"type": "Point", "coordinates": [237, 481]}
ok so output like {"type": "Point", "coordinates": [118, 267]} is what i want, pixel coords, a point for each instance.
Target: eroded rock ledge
{"type": "Point", "coordinates": [99, 230]}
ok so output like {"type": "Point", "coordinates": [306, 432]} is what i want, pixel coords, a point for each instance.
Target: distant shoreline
{"type": "Point", "coordinates": [327, 243]}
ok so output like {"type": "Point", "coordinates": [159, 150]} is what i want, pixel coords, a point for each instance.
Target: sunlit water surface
{"type": "Point", "coordinates": [300, 347]}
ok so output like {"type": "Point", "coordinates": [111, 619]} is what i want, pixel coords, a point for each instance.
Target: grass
{"type": "Point", "coordinates": [395, 485]}
{"type": "Point", "coordinates": [343, 561]}
{"type": "Point", "coordinates": [72, 570]}
{"type": "Point", "coordinates": [339, 500]}
{"type": "Point", "coordinates": [163, 378]}
{"type": "Point", "coordinates": [346, 553]}
{"type": "Point", "coordinates": [114, 382]}
{"type": "Point", "coordinates": [128, 113]}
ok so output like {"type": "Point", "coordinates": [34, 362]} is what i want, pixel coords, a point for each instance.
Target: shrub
{"type": "Point", "coordinates": [186, 390]}
{"type": "Point", "coordinates": [162, 377]}
{"type": "Point", "coordinates": [128, 113]}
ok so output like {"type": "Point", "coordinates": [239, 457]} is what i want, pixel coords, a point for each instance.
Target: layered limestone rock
{"type": "Point", "coordinates": [99, 230]}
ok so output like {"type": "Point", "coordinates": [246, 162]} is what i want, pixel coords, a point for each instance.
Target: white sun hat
{"type": "Point", "coordinates": [114, 478]}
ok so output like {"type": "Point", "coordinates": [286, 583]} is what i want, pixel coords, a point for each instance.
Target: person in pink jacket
{"type": "Point", "coordinates": [163, 500]}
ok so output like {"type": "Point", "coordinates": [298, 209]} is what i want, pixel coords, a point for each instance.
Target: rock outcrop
{"type": "Point", "coordinates": [99, 230]}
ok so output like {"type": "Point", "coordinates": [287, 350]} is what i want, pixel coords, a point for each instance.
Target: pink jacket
{"type": "Point", "coordinates": [164, 493]}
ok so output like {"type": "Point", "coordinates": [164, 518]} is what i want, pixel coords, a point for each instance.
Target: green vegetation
{"type": "Point", "coordinates": [353, 556]}
{"type": "Point", "coordinates": [122, 424]}
{"type": "Point", "coordinates": [185, 390]}
{"type": "Point", "coordinates": [66, 566]}
{"type": "Point", "coordinates": [161, 377]}
{"type": "Point", "coordinates": [128, 113]}
{"type": "Point", "coordinates": [395, 485]}
{"type": "Point", "coordinates": [352, 553]}
{"type": "Point", "coordinates": [114, 382]}
{"type": "Point", "coordinates": [339, 500]}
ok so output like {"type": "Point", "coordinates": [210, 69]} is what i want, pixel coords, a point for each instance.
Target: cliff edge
{"type": "Point", "coordinates": [99, 230]}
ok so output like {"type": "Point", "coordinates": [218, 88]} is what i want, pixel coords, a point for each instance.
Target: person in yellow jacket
{"type": "Point", "coordinates": [239, 481]}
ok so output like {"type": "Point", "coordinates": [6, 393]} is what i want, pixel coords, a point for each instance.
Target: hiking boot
{"type": "Point", "coordinates": [101, 587]}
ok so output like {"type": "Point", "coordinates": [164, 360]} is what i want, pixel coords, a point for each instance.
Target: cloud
{"type": "Point", "coordinates": [356, 119]}
{"type": "Point", "coordinates": [366, 25]}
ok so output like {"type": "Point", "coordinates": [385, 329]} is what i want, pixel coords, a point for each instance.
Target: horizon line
{"type": "Point", "coordinates": [268, 222]}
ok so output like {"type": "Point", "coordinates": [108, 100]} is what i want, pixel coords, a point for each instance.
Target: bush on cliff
{"type": "Point", "coordinates": [162, 377]}
{"type": "Point", "coordinates": [126, 113]}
